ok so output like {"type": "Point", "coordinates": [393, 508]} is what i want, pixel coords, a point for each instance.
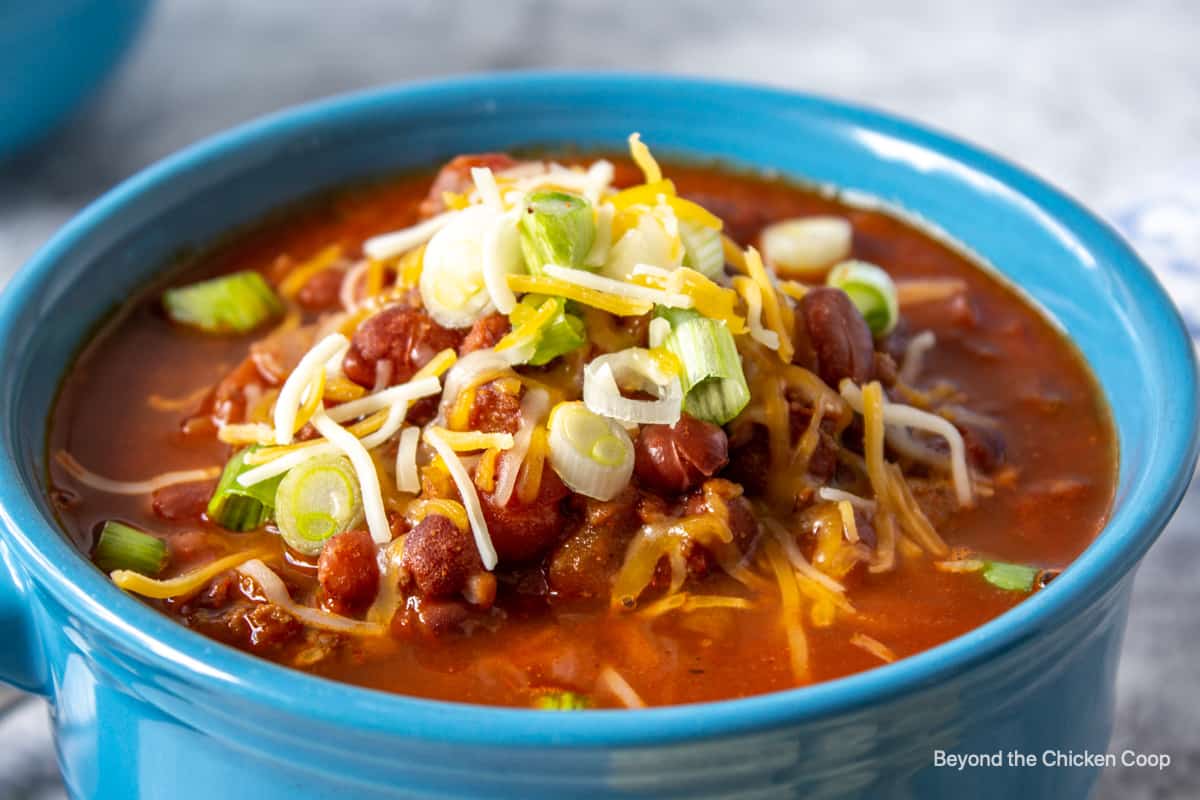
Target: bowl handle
{"type": "Point", "coordinates": [21, 661]}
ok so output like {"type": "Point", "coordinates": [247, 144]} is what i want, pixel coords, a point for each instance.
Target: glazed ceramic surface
{"type": "Point", "coordinates": [144, 708]}
{"type": "Point", "coordinates": [53, 56]}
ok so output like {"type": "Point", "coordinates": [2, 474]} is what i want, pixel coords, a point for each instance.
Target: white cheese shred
{"type": "Point", "coordinates": [390, 245]}
{"type": "Point", "coordinates": [633, 291]}
{"type": "Point", "coordinates": [485, 185]}
{"type": "Point", "coordinates": [616, 684]}
{"type": "Point", "coordinates": [408, 478]}
{"type": "Point", "coordinates": [275, 592]}
{"type": "Point", "coordinates": [364, 467]}
{"type": "Point", "coordinates": [287, 405]}
{"type": "Point", "coordinates": [470, 500]}
{"type": "Point", "coordinates": [148, 486]}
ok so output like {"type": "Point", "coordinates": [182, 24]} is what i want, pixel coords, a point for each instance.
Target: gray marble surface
{"type": "Point", "coordinates": [1102, 98]}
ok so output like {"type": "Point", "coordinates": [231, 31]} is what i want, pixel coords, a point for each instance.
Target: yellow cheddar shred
{"type": "Point", "coordinates": [613, 304]}
{"type": "Point", "coordinates": [469, 441]}
{"type": "Point", "coordinates": [485, 470]}
{"type": "Point", "coordinates": [182, 584]}
{"type": "Point", "coordinates": [441, 506]}
{"type": "Point", "coordinates": [340, 389]}
{"type": "Point", "coordinates": [773, 306]}
{"type": "Point", "coordinates": [642, 157]}
{"type": "Point", "coordinates": [290, 286]}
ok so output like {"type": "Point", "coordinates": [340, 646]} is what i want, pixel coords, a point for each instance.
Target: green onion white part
{"type": "Point", "coordinates": [871, 290]}
{"type": "Point", "coordinates": [592, 454]}
{"type": "Point", "coordinates": [364, 467]}
{"type": "Point", "coordinates": [807, 246]}
{"type": "Point", "coordinates": [702, 249]}
{"type": "Point", "coordinates": [647, 243]}
{"type": "Point", "coordinates": [501, 258]}
{"type": "Point", "coordinates": [638, 370]}
{"type": "Point", "coordinates": [713, 381]}
{"type": "Point", "coordinates": [452, 285]}
{"type": "Point", "coordinates": [316, 501]}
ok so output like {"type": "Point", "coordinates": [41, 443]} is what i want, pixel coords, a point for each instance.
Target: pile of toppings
{"type": "Point", "coordinates": [547, 369]}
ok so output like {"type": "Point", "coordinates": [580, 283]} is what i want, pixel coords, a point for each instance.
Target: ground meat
{"type": "Point", "coordinates": [742, 522]}
{"type": "Point", "coordinates": [484, 333]}
{"type": "Point", "coordinates": [839, 336]}
{"type": "Point", "coordinates": [407, 337]}
{"type": "Point", "coordinates": [440, 557]}
{"type": "Point", "coordinates": [584, 564]}
{"type": "Point", "coordinates": [676, 458]}
{"type": "Point", "coordinates": [455, 177]}
{"type": "Point", "coordinates": [264, 626]}
{"type": "Point", "coordinates": [182, 501]}
{"type": "Point", "coordinates": [495, 409]}
{"type": "Point", "coordinates": [320, 292]}
{"type": "Point", "coordinates": [348, 570]}
{"type": "Point", "coordinates": [523, 531]}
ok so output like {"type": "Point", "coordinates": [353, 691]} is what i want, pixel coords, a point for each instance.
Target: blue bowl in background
{"type": "Point", "coordinates": [144, 708]}
{"type": "Point", "coordinates": [53, 55]}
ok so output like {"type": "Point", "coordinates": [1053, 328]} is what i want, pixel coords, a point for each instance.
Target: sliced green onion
{"type": "Point", "coordinates": [241, 508]}
{"type": "Point", "coordinates": [592, 454]}
{"type": "Point", "coordinates": [702, 248]}
{"type": "Point", "coordinates": [562, 701]}
{"type": "Point", "coordinates": [453, 283]}
{"type": "Point", "coordinates": [806, 247]}
{"type": "Point", "coordinates": [562, 334]}
{"type": "Point", "coordinates": [634, 369]}
{"type": "Point", "coordinates": [714, 385]}
{"type": "Point", "coordinates": [317, 500]}
{"type": "Point", "coordinates": [236, 303]}
{"type": "Point", "coordinates": [872, 292]}
{"type": "Point", "coordinates": [1010, 577]}
{"type": "Point", "coordinates": [121, 547]}
{"type": "Point", "coordinates": [556, 228]}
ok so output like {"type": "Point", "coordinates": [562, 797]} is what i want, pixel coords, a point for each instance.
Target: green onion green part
{"type": "Point", "coordinates": [241, 508]}
{"type": "Point", "coordinates": [121, 547]}
{"type": "Point", "coordinates": [236, 303]}
{"type": "Point", "coordinates": [714, 385]}
{"type": "Point", "coordinates": [562, 701]}
{"type": "Point", "coordinates": [872, 292]}
{"type": "Point", "coordinates": [702, 249]}
{"type": "Point", "coordinates": [565, 332]}
{"type": "Point", "coordinates": [316, 501]}
{"type": "Point", "coordinates": [1010, 577]}
{"type": "Point", "coordinates": [556, 228]}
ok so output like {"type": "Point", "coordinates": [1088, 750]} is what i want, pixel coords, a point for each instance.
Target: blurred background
{"type": "Point", "coordinates": [1101, 98]}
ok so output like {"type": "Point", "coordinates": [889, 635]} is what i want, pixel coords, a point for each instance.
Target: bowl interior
{"type": "Point", "coordinates": [1064, 258]}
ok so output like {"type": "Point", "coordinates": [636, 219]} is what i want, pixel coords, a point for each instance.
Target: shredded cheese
{"type": "Point", "coordinates": [485, 186]}
{"type": "Point", "coordinates": [470, 441]}
{"type": "Point", "coordinates": [184, 584]}
{"type": "Point", "coordinates": [837, 495]}
{"type": "Point", "coordinates": [470, 499]}
{"type": "Point", "coordinates": [364, 468]}
{"type": "Point", "coordinates": [914, 357]}
{"type": "Point", "coordinates": [849, 524]}
{"type": "Point", "coordinates": [713, 301]}
{"type": "Point", "coordinates": [390, 245]}
{"type": "Point", "coordinates": [523, 339]}
{"type": "Point", "coordinates": [613, 304]}
{"type": "Point", "coordinates": [615, 683]}
{"type": "Point", "coordinates": [874, 647]}
{"type": "Point", "coordinates": [439, 506]}
{"type": "Point", "coordinates": [296, 279]}
{"type": "Point", "coordinates": [641, 156]}
{"type": "Point", "coordinates": [599, 283]}
{"type": "Point", "coordinates": [275, 592]}
{"type": "Point", "coordinates": [751, 292]}
{"type": "Point", "coordinates": [773, 305]}
{"type": "Point", "coordinates": [99, 482]}
{"type": "Point", "coordinates": [408, 478]}
{"type": "Point", "coordinates": [287, 405]}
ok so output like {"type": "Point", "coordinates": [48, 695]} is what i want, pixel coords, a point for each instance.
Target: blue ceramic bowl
{"type": "Point", "coordinates": [53, 55]}
{"type": "Point", "coordinates": [143, 708]}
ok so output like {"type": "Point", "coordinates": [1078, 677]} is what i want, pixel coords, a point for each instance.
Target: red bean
{"type": "Point", "coordinates": [742, 522]}
{"type": "Point", "coordinates": [839, 336]}
{"type": "Point", "coordinates": [484, 333]}
{"type": "Point", "coordinates": [320, 292]}
{"type": "Point", "coordinates": [455, 177]}
{"type": "Point", "coordinates": [676, 458]}
{"type": "Point", "coordinates": [495, 410]}
{"type": "Point", "coordinates": [408, 337]}
{"type": "Point", "coordinates": [182, 501]}
{"type": "Point", "coordinates": [440, 557]}
{"type": "Point", "coordinates": [348, 570]}
{"type": "Point", "coordinates": [523, 531]}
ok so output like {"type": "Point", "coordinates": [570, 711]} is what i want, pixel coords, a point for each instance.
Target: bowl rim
{"type": "Point", "coordinates": [174, 650]}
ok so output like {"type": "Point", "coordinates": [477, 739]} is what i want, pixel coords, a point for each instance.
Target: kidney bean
{"type": "Point", "coordinates": [440, 557]}
{"type": "Point", "coordinates": [484, 333]}
{"type": "Point", "coordinates": [750, 461]}
{"type": "Point", "coordinates": [348, 570]}
{"type": "Point", "coordinates": [742, 522]}
{"type": "Point", "coordinates": [320, 292]}
{"type": "Point", "coordinates": [455, 177]}
{"type": "Point", "coordinates": [408, 337]}
{"type": "Point", "coordinates": [182, 501]}
{"type": "Point", "coordinates": [523, 531]}
{"type": "Point", "coordinates": [495, 410]}
{"type": "Point", "coordinates": [676, 458]}
{"type": "Point", "coordinates": [839, 336]}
